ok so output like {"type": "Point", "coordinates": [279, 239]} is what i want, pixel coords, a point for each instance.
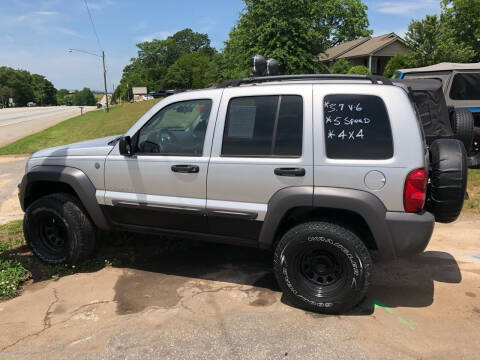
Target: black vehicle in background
{"type": "Point", "coordinates": [460, 84]}
{"type": "Point", "coordinates": [161, 93]}
{"type": "Point", "coordinates": [440, 120]}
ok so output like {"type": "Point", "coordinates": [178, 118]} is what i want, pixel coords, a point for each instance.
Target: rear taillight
{"type": "Point", "coordinates": [415, 189]}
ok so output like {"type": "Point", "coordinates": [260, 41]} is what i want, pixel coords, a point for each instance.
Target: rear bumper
{"type": "Point", "coordinates": [409, 232]}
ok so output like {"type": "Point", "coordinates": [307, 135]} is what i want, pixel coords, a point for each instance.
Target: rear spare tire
{"type": "Point", "coordinates": [322, 267]}
{"type": "Point", "coordinates": [448, 179]}
{"type": "Point", "coordinates": [462, 125]}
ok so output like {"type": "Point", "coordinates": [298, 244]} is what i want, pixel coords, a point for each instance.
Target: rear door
{"type": "Point", "coordinates": [262, 143]}
{"type": "Point", "coordinates": [367, 137]}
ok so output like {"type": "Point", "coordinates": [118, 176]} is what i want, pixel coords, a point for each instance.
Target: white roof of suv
{"type": "Point", "coordinates": [443, 67]}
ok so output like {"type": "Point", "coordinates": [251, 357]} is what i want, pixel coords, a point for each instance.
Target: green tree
{"type": "Point", "coordinates": [191, 71]}
{"type": "Point", "coordinates": [432, 41]}
{"type": "Point", "coordinates": [463, 18]}
{"type": "Point", "coordinates": [150, 67]}
{"type": "Point", "coordinates": [341, 66]}
{"type": "Point", "coordinates": [23, 87]}
{"type": "Point", "coordinates": [44, 92]}
{"type": "Point", "coordinates": [19, 84]}
{"type": "Point", "coordinates": [321, 68]}
{"type": "Point", "coordinates": [84, 97]}
{"type": "Point", "coordinates": [292, 31]}
{"type": "Point", "coordinates": [63, 97]}
{"type": "Point", "coordinates": [359, 70]}
{"type": "Point", "coordinates": [5, 94]}
{"type": "Point", "coordinates": [399, 61]}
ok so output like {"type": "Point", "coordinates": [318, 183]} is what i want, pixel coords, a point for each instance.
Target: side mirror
{"type": "Point", "coordinates": [125, 146]}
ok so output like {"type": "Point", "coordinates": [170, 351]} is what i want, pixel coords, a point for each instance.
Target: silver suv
{"type": "Point", "coordinates": [323, 170]}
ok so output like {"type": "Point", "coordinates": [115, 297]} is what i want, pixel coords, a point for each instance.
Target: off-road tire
{"type": "Point", "coordinates": [69, 216]}
{"type": "Point", "coordinates": [354, 260]}
{"type": "Point", "coordinates": [448, 179]}
{"type": "Point", "coordinates": [462, 125]}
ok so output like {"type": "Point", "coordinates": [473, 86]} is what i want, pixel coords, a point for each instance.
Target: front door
{"type": "Point", "coordinates": [163, 186]}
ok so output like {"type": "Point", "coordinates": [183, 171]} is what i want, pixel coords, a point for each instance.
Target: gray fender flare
{"type": "Point", "coordinates": [76, 178]}
{"type": "Point", "coordinates": [367, 205]}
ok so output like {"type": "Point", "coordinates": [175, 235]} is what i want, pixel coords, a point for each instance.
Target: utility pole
{"type": "Point", "coordinates": [105, 80]}
{"type": "Point", "coordinates": [104, 71]}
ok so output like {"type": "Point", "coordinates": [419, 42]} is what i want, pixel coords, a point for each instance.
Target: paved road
{"type": "Point", "coordinates": [210, 301]}
{"type": "Point", "coordinates": [16, 123]}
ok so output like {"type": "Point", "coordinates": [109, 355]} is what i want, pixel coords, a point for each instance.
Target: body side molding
{"type": "Point", "coordinates": [76, 178]}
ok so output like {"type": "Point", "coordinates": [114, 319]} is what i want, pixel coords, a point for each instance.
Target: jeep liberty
{"type": "Point", "coordinates": [322, 170]}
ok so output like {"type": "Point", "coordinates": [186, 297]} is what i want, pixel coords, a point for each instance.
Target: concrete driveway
{"type": "Point", "coordinates": [12, 169]}
{"type": "Point", "coordinates": [16, 123]}
{"type": "Point", "coordinates": [208, 301]}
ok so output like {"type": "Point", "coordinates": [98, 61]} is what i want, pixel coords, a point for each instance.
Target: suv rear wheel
{"type": "Point", "coordinates": [322, 267]}
{"type": "Point", "coordinates": [58, 230]}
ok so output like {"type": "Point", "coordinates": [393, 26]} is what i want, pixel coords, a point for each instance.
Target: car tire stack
{"type": "Point", "coordinates": [448, 179]}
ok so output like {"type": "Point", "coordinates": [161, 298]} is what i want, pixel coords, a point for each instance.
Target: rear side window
{"type": "Point", "coordinates": [264, 126]}
{"type": "Point", "coordinates": [357, 127]}
{"type": "Point", "coordinates": [465, 87]}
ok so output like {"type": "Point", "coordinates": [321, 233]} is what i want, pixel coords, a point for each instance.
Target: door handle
{"type": "Point", "coordinates": [185, 168]}
{"type": "Point", "coordinates": [289, 171]}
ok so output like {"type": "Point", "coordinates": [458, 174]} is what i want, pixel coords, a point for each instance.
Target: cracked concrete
{"type": "Point", "coordinates": [217, 301]}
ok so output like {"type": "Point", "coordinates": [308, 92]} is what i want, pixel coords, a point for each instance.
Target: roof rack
{"type": "Point", "coordinates": [375, 79]}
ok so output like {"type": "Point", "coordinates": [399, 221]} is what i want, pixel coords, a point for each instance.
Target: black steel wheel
{"type": "Point", "coordinates": [58, 230]}
{"type": "Point", "coordinates": [322, 267]}
{"type": "Point", "coordinates": [52, 232]}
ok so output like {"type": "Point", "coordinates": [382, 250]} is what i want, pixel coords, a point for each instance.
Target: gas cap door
{"type": "Point", "coordinates": [375, 180]}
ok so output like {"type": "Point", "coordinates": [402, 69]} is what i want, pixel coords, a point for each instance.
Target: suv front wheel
{"type": "Point", "coordinates": [322, 267]}
{"type": "Point", "coordinates": [58, 230]}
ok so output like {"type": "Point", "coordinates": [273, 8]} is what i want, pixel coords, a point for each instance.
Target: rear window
{"type": "Point", "coordinates": [357, 127]}
{"type": "Point", "coordinates": [465, 87]}
{"type": "Point", "coordinates": [264, 126]}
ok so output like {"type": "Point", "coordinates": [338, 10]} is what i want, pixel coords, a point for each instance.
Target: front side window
{"type": "Point", "coordinates": [177, 129]}
{"type": "Point", "coordinates": [465, 87]}
{"type": "Point", "coordinates": [357, 127]}
{"type": "Point", "coordinates": [264, 126]}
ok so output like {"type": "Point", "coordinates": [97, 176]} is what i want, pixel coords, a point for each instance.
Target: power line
{"type": "Point", "coordinates": [93, 25]}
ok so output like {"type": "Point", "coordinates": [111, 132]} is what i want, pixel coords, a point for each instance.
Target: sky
{"type": "Point", "coordinates": [36, 35]}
